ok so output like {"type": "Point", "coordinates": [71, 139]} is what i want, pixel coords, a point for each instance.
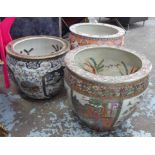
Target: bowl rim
{"type": "Point", "coordinates": [121, 32]}
{"type": "Point", "coordinates": [11, 51]}
{"type": "Point", "coordinates": [140, 74]}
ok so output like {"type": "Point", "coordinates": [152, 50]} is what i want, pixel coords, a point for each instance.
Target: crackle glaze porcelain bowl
{"type": "Point", "coordinates": [37, 63]}
{"type": "Point", "coordinates": [105, 83]}
{"type": "Point", "coordinates": [95, 33]}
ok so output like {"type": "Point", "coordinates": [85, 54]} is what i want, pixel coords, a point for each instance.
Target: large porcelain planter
{"type": "Point", "coordinates": [105, 84]}
{"type": "Point", "coordinates": [95, 33]}
{"type": "Point", "coordinates": [37, 64]}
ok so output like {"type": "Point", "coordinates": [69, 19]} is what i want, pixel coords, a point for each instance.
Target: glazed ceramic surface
{"type": "Point", "coordinates": [37, 63]}
{"type": "Point", "coordinates": [105, 84]}
{"type": "Point", "coordinates": [95, 33]}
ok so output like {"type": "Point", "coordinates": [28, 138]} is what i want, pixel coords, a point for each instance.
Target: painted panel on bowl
{"type": "Point", "coordinates": [76, 40]}
{"type": "Point", "coordinates": [96, 112]}
{"type": "Point", "coordinates": [128, 107]}
{"type": "Point", "coordinates": [52, 81]}
{"type": "Point", "coordinates": [38, 78]}
{"type": "Point", "coordinates": [101, 113]}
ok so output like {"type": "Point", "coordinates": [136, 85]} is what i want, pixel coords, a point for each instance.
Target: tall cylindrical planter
{"type": "Point", "coordinates": [105, 83]}
{"type": "Point", "coordinates": [95, 33]}
{"type": "Point", "coordinates": [37, 64]}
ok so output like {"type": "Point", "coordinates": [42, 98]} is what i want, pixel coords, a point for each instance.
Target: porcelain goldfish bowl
{"type": "Point", "coordinates": [95, 33]}
{"type": "Point", "coordinates": [105, 84]}
{"type": "Point", "coordinates": [37, 65]}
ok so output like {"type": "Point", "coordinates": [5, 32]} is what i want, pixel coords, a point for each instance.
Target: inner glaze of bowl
{"type": "Point", "coordinates": [38, 46]}
{"type": "Point", "coordinates": [96, 30]}
{"type": "Point", "coordinates": [108, 61]}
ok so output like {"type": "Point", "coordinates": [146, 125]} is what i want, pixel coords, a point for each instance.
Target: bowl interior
{"type": "Point", "coordinates": [38, 46]}
{"type": "Point", "coordinates": [95, 29]}
{"type": "Point", "coordinates": [108, 61]}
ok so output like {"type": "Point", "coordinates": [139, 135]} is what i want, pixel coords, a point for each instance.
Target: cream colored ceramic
{"type": "Point", "coordinates": [105, 84]}
{"type": "Point", "coordinates": [95, 33]}
{"type": "Point", "coordinates": [37, 64]}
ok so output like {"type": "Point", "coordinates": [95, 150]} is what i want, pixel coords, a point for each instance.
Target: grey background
{"type": "Point", "coordinates": [24, 26]}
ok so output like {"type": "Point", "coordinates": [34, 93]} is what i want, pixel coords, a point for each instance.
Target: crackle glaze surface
{"type": "Point", "coordinates": [39, 76]}
{"type": "Point", "coordinates": [100, 102]}
{"type": "Point", "coordinates": [104, 36]}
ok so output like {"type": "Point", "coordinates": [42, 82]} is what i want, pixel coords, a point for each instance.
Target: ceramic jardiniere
{"type": "Point", "coordinates": [37, 64]}
{"type": "Point", "coordinates": [105, 84]}
{"type": "Point", "coordinates": [95, 33]}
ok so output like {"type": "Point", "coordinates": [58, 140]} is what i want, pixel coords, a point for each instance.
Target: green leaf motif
{"type": "Point", "coordinates": [125, 67]}
{"type": "Point", "coordinates": [94, 62]}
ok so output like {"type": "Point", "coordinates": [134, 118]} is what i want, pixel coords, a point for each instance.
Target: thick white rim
{"type": "Point", "coordinates": [11, 51]}
{"type": "Point", "coordinates": [140, 74]}
{"type": "Point", "coordinates": [120, 32]}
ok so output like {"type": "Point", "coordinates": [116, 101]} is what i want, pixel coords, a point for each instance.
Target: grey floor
{"type": "Point", "coordinates": [54, 117]}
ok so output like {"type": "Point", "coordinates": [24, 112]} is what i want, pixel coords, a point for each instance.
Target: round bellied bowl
{"type": "Point", "coordinates": [105, 84]}
{"type": "Point", "coordinates": [37, 64]}
{"type": "Point", "coordinates": [95, 33]}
